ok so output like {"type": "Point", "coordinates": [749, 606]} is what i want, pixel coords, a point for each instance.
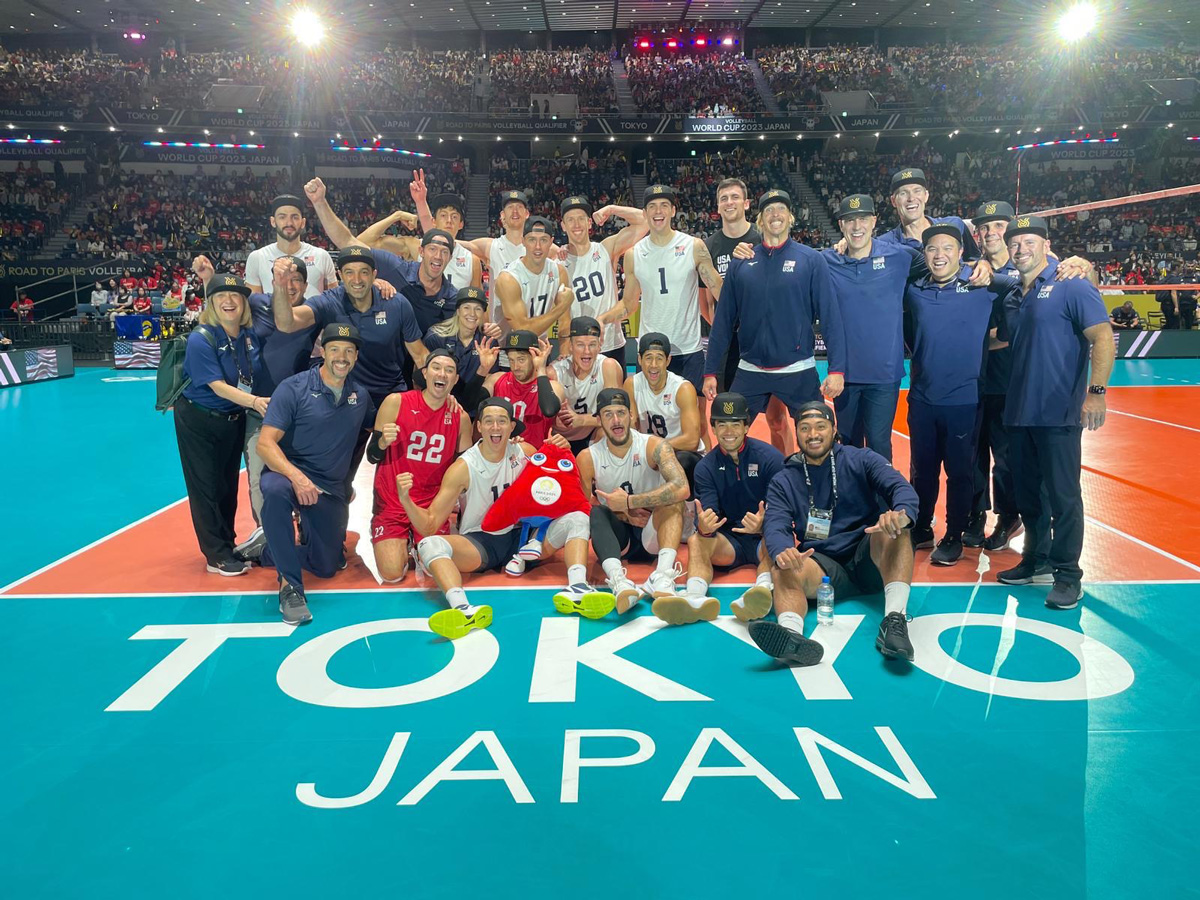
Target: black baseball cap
{"type": "Point", "coordinates": [774, 196]}
{"type": "Point", "coordinates": [944, 228]}
{"type": "Point", "coordinates": [538, 223]}
{"type": "Point", "coordinates": [856, 205]}
{"type": "Point", "coordinates": [504, 404]}
{"type": "Point", "coordinates": [659, 192]}
{"type": "Point", "coordinates": [584, 326]}
{"type": "Point", "coordinates": [470, 295]}
{"type": "Point", "coordinates": [454, 201]}
{"type": "Point", "coordinates": [815, 408]}
{"type": "Point", "coordinates": [446, 238]}
{"type": "Point", "coordinates": [993, 210]}
{"type": "Point", "coordinates": [520, 340]}
{"type": "Point", "coordinates": [577, 201]}
{"type": "Point", "coordinates": [219, 283]}
{"type": "Point", "coordinates": [652, 340]}
{"type": "Point", "coordinates": [507, 197]}
{"type": "Point", "coordinates": [441, 351]}
{"type": "Point", "coordinates": [288, 200]}
{"type": "Point", "coordinates": [908, 176]}
{"type": "Point", "coordinates": [337, 331]}
{"type": "Point", "coordinates": [1027, 225]}
{"type": "Point", "coordinates": [611, 397]}
{"type": "Point", "coordinates": [729, 407]}
{"type": "Point", "coordinates": [356, 254]}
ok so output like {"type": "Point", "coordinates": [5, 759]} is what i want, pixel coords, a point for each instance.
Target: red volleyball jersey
{"type": "Point", "coordinates": [426, 445]}
{"type": "Point", "coordinates": [524, 399]}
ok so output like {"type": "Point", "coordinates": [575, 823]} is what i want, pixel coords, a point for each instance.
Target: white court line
{"type": "Point", "coordinates": [95, 543]}
{"type": "Point", "coordinates": [1120, 533]}
{"type": "Point", "coordinates": [381, 592]}
{"type": "Point", "coordinates": [1117, 412]}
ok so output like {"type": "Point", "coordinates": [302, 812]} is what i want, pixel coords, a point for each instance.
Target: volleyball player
{"type": "Point", "coordinates": [288, 222]}
{"type": "Point", "coordinates": [582, 374]}
{"type": "Point", "coordinates": [533, 292]}
{"type": "Point", "coordinates": [535, 398]}
{"type": "Point", "coordinates": [662, 403]}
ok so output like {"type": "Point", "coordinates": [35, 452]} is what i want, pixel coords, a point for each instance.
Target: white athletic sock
{"type": "Point", "coordinates": [697, 587]}
{"type": "Point", "coordinates": [612, 568]}
{"type": "Point", "coordinates": [792, 621]}
{"type": "Point", "coordinates": [763, 579]}
{"type": "Point", "coordinates": [457, 598]}
{"type": "Point", "coordinates": [666, 560]}
{"type": "Point", "coordinates": [576, 574]}
{"type": "Point", "coordinates": [895, 597]}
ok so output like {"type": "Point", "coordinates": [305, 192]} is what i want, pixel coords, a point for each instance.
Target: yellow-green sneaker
{"type": "Point", "coordinates": [454, 623]}
{"type": "Point", "coordinates": [584, 600]}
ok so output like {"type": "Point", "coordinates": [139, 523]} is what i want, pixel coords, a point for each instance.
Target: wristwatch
{"type": "Point", "coordinates": [1097, 389]}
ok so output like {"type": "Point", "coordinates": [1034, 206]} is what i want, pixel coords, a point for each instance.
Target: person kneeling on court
{"type": "Point", "coordinates": [475, 481]}
{"type": "Point", "coordinates": [731, 492]}
{"type": "Point", "coordinates": [639, 492]}
{"type": "Point", "coordinates": [851, 514]}
{"type": "Point", "coordinates": [307, 442]}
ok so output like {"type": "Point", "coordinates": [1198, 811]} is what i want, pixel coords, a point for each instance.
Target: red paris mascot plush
{"type": "Point", "coordinates": [548, 487]}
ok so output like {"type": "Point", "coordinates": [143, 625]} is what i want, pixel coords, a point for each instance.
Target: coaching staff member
{"type": "Point", "coordinates": [307, 442]}
{"type": "Point", "coordinates": [221, 358]}
{"type": "Point", "coordinates": [1053, 327]}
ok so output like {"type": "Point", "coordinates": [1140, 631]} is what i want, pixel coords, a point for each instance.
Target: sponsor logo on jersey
{"type": "Point", "coordinates": [789, 265]}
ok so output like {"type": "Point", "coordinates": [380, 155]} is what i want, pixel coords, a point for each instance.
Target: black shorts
{"type": "Point", "coordinates": [856, 575]}
{"type": "Point", "coordinates": [689, 367]}
{"type": "Point", "coordinates": [745, 548]}
{"type": "Point", "coordinates": [580, 445]}
{"type": "Point", "coordinates": [495, 550]}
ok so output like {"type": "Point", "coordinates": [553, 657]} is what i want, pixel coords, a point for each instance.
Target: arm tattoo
{"type": "Point", "coordinates": [707, 271]}
{"type": "Point", "coordinates": [668, 466]}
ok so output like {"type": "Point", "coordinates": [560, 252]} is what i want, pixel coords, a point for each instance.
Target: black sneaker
{"type": "Point", "coordinates": [229, 567]}
{"type": "Point", "coordinates": [973, 535]}
{"type": "Point", "coordinates": [293, 607]}
{"type": "Point", "coordinates": [251, 549]}
{"type": "Point", "coordinates": [1064, 595]}
{"type": "Point", "coordinates": [892, 640]}
{"type": "Point", "coordinates": [1005, 531]}
{"type": "Point", "coordinates": [948, 552]}
{"type": "Point", "coordinates": [922, 537]}
{"type": "Point", "coordinates": [1025, 573]}
{"type": "Point", "coordinates": [784, 644]}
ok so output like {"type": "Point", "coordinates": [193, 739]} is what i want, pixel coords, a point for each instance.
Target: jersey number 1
{"type": "Point", "coordinates": [662, 281]}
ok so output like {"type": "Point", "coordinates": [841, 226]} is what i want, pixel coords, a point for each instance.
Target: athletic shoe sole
{"type": "Point", "coordinates": [678, 611]}
{"type": "Point", "coordinates": [453, 624]}
{"type": "Point", "coordinates": [890, 653]}
{"type": "Point", "coordinates": [1047, 578]}
{"type": "Point", "coordinates": [785, 645]}
{"type": "Point", "coordinates": [217, 571]}
{"type": "Point", "coordinates": [626, 599]}
{"type": "Point", "coordinates": [254, 536]}
{"type": "Point", "coordinates": [592, 605]}
{"type": "Point", "coordinates": [755, 604]}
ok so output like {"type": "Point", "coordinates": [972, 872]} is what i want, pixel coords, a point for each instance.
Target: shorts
{"type": "Point", "coordinates": [745, 548]}
{"type": "Point", "coordinates": [855, 576]}
{"type": "Point", "coordinates": [580, 445]}
{"type": "Point", "coordinates": [391, 524]}
{"type": "Point", "coordinates": [495, 550]}
{"type": "Point", "coordinates": [793, 389]}
{"type": "Point", "coordinates": [689, 367]}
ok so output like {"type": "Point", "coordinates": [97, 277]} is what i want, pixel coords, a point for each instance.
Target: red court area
{"type": "Point", "coordinates": [1139, 486]}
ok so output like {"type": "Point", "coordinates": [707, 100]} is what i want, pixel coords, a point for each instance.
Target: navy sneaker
{"type": "Point", "coordinates": [1064, 595]}
{"type": "Point", "coordinates": [784, 644]}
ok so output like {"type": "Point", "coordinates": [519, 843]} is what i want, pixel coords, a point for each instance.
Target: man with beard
{"type": "Point", "coordinates": [592, 266]}
{"type": "Point", "coordinates": [583, 374]}
{"type": "Point", "coordinates": [843, 513]}
{"type": "Point", "coordinates": [288, 222]}
{"type": "Point", "coordinates": [638, 502]}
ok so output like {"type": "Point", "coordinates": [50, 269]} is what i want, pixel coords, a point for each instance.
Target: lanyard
{"type": "Point", "coordinates": [808, 482]}
{"type": "Point", "coordinates": [246, 377]}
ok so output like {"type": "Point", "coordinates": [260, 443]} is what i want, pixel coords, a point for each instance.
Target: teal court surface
{"type": "Point", "coordinates": [166, 736]}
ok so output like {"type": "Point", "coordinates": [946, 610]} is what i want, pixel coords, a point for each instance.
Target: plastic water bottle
{"type": "Point", "coordinates": [825, 602]}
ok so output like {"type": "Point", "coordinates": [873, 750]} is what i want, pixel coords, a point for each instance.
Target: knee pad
{"type": "Point", "coordinates": [433, 548]}
{"type": "Point", "coordinates": [567, 528]}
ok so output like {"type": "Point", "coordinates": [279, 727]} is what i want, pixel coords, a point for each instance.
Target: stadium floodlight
{"type": "Point", "coordinates": [1077, 22]}
{"type": "Point", "coordinates": [307, 27]}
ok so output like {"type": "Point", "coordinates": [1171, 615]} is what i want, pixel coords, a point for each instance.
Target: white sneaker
{"type": "Point", "coordinates": [754, 604]}
{"type": "Point", "coordinates": [624, 591]}
{"type": "Point", "coordinates": [679, 609]}
{"type": "Point", "coordinates": [662, 584]}
{"type": "Point", "coordinates": [531, 550]}
{"type": "Point", "coordinates": [515, 567]}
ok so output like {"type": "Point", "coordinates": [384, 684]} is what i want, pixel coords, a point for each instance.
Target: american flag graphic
{"type": "Point", "coordinates": [136, 354]}
{"type": "Point", "coordinates": [10, 370]}
{"type": "Point", "coordinates": [41, 364]}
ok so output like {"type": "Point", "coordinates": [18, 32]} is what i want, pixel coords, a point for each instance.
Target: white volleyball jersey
{"type": "Point", "coordinates": [581, 392]}
{"type": "Point", "coordinates": [658, 414]}
{"type": "Point", "coordinates": [486, 483]}
{"type": "Point", "coordinates": [503, 254]}
{"type": "Point", "coordinates": [462, 264]}
{"type": "Point", "coordinates": [322, 273]}
{"type": "Point", "coordinates": [633, 472]}
{"type": "Point", "coordinates": [670, 290]}
{"type": "Point", "coordinates": [595, 287]}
